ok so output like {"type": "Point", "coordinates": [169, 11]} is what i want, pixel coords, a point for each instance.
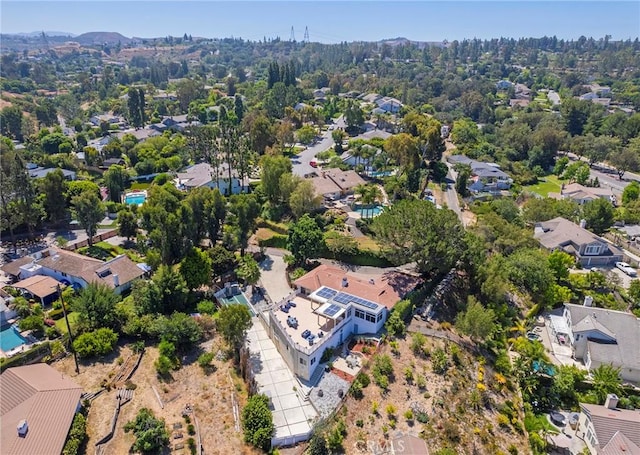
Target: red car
{"type": "Point", "coordinates": [313, 163]}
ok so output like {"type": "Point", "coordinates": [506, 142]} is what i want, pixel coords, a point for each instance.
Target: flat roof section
{"type": "Point", "coordinates": [308, 318]}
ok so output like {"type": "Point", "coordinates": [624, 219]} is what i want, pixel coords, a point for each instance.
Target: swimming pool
{"type": "Point", "coordinates": [137, 198]}
{"type": "Point", "coordinates": [368, 211]}
{"type": "Point", "coordinates": [10, 339]}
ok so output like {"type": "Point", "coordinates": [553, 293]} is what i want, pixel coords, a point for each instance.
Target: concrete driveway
{"type": "Point", "coordinates": [274, 277]}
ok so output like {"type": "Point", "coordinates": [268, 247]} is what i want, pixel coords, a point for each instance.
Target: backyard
{"type": "Point", "coordinates": [209, 394]}
{"type": "Point", "coordinates": [546, 185]}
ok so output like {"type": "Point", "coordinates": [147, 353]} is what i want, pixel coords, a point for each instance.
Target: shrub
{"type": "Point", "coordinates": [77, 435]}
{"type": "Point", "coordinates": [150, 433]}
{"type": "Point", "coordinates": [98, 342]}
{"type": "Point", "coordinates": [391, 410]}
{"type": "Point", "coordinates": [205, 359]}
{"type": "Point", "coordinates": [191, 429]}
{"type": "Point", "coordinates": [206, 307]}
{"type": "Point", "coordinates": [408, 414]}
{"type": "Point", "coordinates": [359, 423]}
{"type": "Point", "coordinates": [257, 422]}
{"type": "Point", "coordinates": [326, 355]}
{"type": "Point", "coordinates": [418, 341]}
{"type": "Point", "coordinates": [363, 379]}
{"type": "Point", "coordinates": [439, 361]}
{"type": "Point", "coordinates": [382, 370]}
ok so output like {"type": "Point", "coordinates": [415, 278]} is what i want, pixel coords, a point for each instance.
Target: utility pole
{"type": "Point", "coordinates": [66, 319]}
{"type": "Point", "coordinates": [292, 37]}
{"type": "Point", "coordinates": [306, 34]}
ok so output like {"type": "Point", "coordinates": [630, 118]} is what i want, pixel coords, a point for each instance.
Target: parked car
{"type": "Point", "coordinates": [557, 418]}
{"type": "Point", "coordinates": [533, 336]}
{"type": "Point", "coordinates": [313, 163]}
{"type": "Point", "coordinates": [626, 268]}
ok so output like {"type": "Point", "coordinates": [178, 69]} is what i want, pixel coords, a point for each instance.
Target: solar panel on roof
{"type": "Point", "coordinates": [326, 293]}
{"type": "Point", "coordinates": [344, 299]}
{"type": "Point", "coordinates": [332, 310]}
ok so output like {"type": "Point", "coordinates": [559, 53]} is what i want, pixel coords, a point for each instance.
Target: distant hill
{"type": "Point", "coordinates": [48, 33]}
{"type": "Point", "coordinates": [93, 38]}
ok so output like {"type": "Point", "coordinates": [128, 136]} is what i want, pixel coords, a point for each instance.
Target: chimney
{"type": "Point", "coordinates": [116, 280]}
{"type": "Point", "coordinates": [583, 223]}
{"type": "Point", "coordinates": [23, 428]}
{"type": "Point", "coordinates": [588, 301]}
{"type": "Point", "coordinates": [612, 401]}
{"type": "Point", "coordinates": [345, 282]}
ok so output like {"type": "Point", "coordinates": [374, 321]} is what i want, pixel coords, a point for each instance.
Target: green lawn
{"type": "Point", "coordinates": [545, 185]}
{"type": "Point", "coordinates": [140, 186]}
{"type": "Point", "coordinates": [62, 326]}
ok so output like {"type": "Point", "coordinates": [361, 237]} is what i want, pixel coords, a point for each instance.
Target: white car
{"type": "Point", "coordinates": [626, 268]}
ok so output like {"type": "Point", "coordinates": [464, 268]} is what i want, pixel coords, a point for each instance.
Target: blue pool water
{"type": "Point", "coordinates": [135, 198]}
{"type": "Point", "coordinates": [368, 212]}
{"type": "Point", "coordinates": [379, 174]}
{"type": "Point", "coordinates": [10, 339]}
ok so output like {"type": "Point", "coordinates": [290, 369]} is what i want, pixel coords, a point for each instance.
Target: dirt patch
{"type": "Point", "coordinates": [209, 395]}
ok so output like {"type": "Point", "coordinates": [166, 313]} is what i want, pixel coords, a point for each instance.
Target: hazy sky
{"type": "Point", "coordinates": [328, 21]}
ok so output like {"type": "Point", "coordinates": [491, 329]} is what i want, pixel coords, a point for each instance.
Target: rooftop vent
{"type": "Point", "coordinates": [612, 401]}
{"type": "Point", "coordinates": [23, 428]}
{"type": "Point", "coordinates": [372, 281]}
{"type": "Point", "coordinates": [583, 223]}
{"type": "Point", "coordinates": [345, 282]}
{"type": "Point", "coordinates": [588, 301]}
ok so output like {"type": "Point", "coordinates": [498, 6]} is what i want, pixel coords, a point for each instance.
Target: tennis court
{"type": "Point", "coordinates": [234, 299]}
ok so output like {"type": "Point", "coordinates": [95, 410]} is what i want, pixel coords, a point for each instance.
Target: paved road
{"type": "Point", "coordinates": [609, 179]}
{"type": "Point", "coordinates": [301, 161]}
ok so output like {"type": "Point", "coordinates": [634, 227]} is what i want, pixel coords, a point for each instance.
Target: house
{"type": "Point", "coordinates": [389, 105]}
{"type": "Point", "coordinates": [523, 92]}
{"type": "Point", "coordinates": [203, 174]}
{"type": "Point", "coordinates": [518, 103]}
{"type": "Point", "coordinates": [37, 408]}
{"type": "Point", "coordinates": [336, 183]}
{"type": "Point", "coordinates": [607, 430]}
{"type": "Point", "coordinates": [599, 336]}
{"type": "Point", "coordinates": [106, 164]}
{"type": "Point", "coordinates": [485, 177]}
{"type": "Point", "coordinates": [179, 123]}
{"type": "Point", "coordinates": [97, 120]}
{"type": "Point", "coordinates": [583, 194]}
{"type": "Point", "coordinates": [504, 85]}
{"type": "Point", "coordinates": [37, 172]}
{"type": "Point", "coordinates": [41, 287]}
{"type": "Point", "coordinates": [328, 307]}
{"type": "Point", "coordinates": [588, 249]}
{"type": "Point", "coordinates": [371, 98]}
{"type": "Point", "coordinates": [6, 313]}
{"type": "Point", "coordinates": [77, 270]}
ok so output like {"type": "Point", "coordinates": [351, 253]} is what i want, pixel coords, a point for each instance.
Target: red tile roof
{"type": "Point", "coordinates": [386, 288]}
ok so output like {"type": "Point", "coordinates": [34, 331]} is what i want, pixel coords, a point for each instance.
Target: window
{"type": "Point", "coordinates": [302, 361]}
{"type": "Point", "coordinates": [370, 317]}
{"type": "Point", "coordinates": [313, 361]}
{"type": "Point", "coordinates": [380, 316]}
{"type": "Point", "coordinates": [360, 314]}
{"type": "Point", "coordinates": [592, 250]}
{"type": "Point", "coordinates": [349, 313]}
{"type": "Point", "coordinates": [577, 337]}
{"type": "Point", "coordinates": [64, 274]}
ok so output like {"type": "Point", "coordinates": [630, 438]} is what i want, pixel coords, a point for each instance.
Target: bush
{"type": "Point", "coordinates": [275, 241]}
{"type": "Point", "coordinates": [55, 314]}
{"type": "Point", "coordinates": [326, 355]}
{"type": "Point", "coordinates": [191, 429]}
{"type": "Point", "coordinates": [382, 371]}
{"type": "Point", "coordinates": [257, 422]}
{"type": "Point", "coordinates": [205, 359]}
{"type": "Point", "coordinates": [77, 435]}
{"type": "Point", "coordinates": [150, 432]}
{"type": "Point", "coordinates": [206, 307]}
{"type": "Point", "coordinates": [98, 342]}
{"type": "Point", "coordinates": [363, 379]}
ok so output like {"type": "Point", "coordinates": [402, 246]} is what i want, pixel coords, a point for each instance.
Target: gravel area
{"type": "Point", "coordinates": [330, 385]}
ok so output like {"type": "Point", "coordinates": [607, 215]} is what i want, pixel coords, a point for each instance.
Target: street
{"type": "Point", "coordinates": [606, 179]}
{"type": "Point", "coordinates": [301, 162]}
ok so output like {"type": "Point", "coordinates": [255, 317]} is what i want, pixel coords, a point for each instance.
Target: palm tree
{"type": "Point", "coordinates": [606, 380]}
{"type": "Point", "coordinates": [248, 270]}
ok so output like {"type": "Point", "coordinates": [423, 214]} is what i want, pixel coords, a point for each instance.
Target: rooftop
{"type": "Point", "coordinates": [560, 232]}
{"type": "Point", "coordinates": [43, 397]}
{"type": "Point", "coordinates": [202, 173]}
{"type": "Point", "coordinates": [38, 285]}
{"type": "Point", "coordinates": [620, 444]}
{"type": "Point", "coordinates": [386, 288]}
{"type": "Point", "coordinates": [607, 422]}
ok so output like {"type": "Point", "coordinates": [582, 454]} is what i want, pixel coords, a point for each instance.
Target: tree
{"type": "Point", "coordinates": [304, 199]}
{"type": "Point", "coordinates": [151, 433]}
{"type": "Point", "coordinates": [11, 122]}
{"type": "Point", "coordinates": [403, 149]}
{"type": "Point", "coordinates": [414, 230]}
{"type": "Point", "coordinates": [246, 210]}
{"type": "Point", "coordinates": [222, 260]}
{"type": "Point", "coordinates": [599, 215]}
{"type": "Point", "coordinates": [248, 270]}
{"type": "Point", "coordinates": [96, 343]}
{"type": "Point", "coordinates": [273, 167]}
{"type": "Point", "coordinates": [54, 187]}
{"type": "Point", "coordinates": [625, 160]}
{"type": "Point", "coordinates": [338, 135]}
{"type": "Point", "coordinates": [462, 180]}
{"type": "Point", "coordinates": [127, 224]}
{"type": "Point", "coordinates": [89, 211]}
{"type": "Point", "coordinates": [529, 270]}
{"type": "Point", "coordinates": [306, 134]}
{"type": "Point", "coordinates": [195, 268]}
{"type": "Point", "coordinates": [606, 380]}
{"type": "Point", "coordinates": [305, 239]}
{"type": "Point", "coordinates": [171, 288]}
{"type": "Point", "coordinates": [631, 192]}
{"type": "Point", "coordinates": [560, 263]}
{"type": "Point", "coordinates": [116, 180]}
{"type": "Point", "coordinates": [353, 115]}
{"type": "Point", "coordinates": [476, 321]}
{"type": "Point", "coordinates": [566, 382]}
{"type": "Point", "coordinates": [232, 324]}
{"type": "Point", "coordinates": [257, 422]}
{"type": "Point", "coordinates": [96, 307]}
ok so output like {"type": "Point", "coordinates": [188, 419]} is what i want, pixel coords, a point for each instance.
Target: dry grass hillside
{"type": "Point", "coordinates": [441, 392]}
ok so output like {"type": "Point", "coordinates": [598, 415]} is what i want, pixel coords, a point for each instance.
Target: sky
{"type": "Point", "coordinates": [328, 21]}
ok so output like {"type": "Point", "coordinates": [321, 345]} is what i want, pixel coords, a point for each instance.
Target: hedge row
{"type": "Point", "coordinates": [275, 241]}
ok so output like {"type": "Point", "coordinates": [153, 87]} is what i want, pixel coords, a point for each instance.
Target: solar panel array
{"type": "Point", "coordinates": [332, 310]}
{"type": "Point", "coordinates": [326, 293]}
{"type": "Point", "coordinates": [344, 298]}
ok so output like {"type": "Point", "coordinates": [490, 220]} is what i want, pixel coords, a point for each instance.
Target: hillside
{"type": "Point", "coordinates": [92, 38]}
